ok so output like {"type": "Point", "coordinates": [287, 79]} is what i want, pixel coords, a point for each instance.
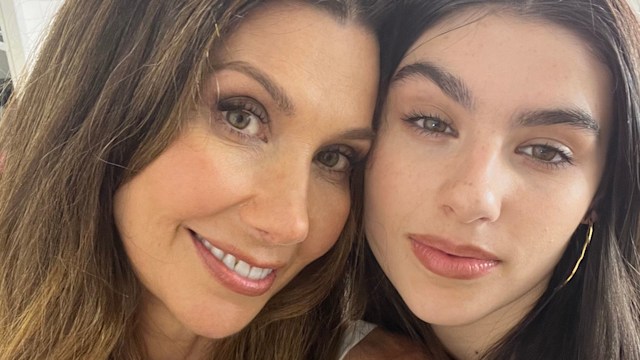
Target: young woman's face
{"type": "Point", "coordinates": [257, 185]}
{"type": "Point", "coordinates": [491, 147]}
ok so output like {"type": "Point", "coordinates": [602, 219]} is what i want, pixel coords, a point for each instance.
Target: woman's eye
{"type": "Point", "coordinates": [244, 117]}
{"type": "Point", "coordinates": [431, 125]}
{"type": "Point", "coordinates": [434, 125]}
{"type": "Point", "coordinates": [547, 153]}
{"type": "Point", "coordinates": [334, 160]}
{"type": "Point", "coordinates": [243, 120]}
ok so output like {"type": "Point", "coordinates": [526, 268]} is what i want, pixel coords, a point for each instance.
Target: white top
{"type": "Point", "coordinates": [354, 334]}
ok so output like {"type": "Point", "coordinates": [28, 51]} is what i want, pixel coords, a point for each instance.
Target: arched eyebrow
{"type": "Point", "coordinates": [277, 92]}
{"type": "Point", "coordinates": [457, 90]}
{"type": "Point", "coordinates": [450, 84]}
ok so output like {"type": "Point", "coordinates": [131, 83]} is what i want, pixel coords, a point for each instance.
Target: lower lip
{"type": "Point", "coordinates": [451, 266]}
{"type": "Point", "coordinates": [229, 278]}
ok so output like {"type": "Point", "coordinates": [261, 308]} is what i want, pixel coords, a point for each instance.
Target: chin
{"type": "Point", "coordinates": [220, 323]}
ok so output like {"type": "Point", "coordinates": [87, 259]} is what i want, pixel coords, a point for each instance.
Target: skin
{"type": "Point", "coordinates": [266, 182]}
{"type": "Point", "coordinates": [471, 173]}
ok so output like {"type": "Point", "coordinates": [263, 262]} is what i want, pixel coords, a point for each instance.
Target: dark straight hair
{"type": "Point", "coordinates": [597, 314]}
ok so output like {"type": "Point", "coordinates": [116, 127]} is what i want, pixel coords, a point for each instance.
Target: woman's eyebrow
{"type": "Point", "coordinates": [365, 133]}
{"type": "Point", "coordinates": [456, 89]}
{"type": "Point", "coordinates": [276, 91]}
{"type": "Point", "coordinates": [569, 116]}
{"type": "Point", "coordinates": [450, 84]}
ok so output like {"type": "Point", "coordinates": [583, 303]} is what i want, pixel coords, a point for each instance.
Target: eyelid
{"type": "Point", "coordinates": [352, 154]}
{"type": "Point", "coordinates": [244, 103]}
{"type": "Point", "coordinates": [561, 150]}
{"type": "Point", "coordinates": [413, 117]}
{"type": "Point", "coordinates": [344, 150]}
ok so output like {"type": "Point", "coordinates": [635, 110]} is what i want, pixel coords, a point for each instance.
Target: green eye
{"type": "Point", "coordinates": [329, 158]}
{"type": "Point", "coordinates": [244, 116]}
{"type": "Point", "coordinates": [431, 125]}
{"type": "Point", "coordinates": [335, 160]}
{"type": "Point", "coordinates": [239, 119]}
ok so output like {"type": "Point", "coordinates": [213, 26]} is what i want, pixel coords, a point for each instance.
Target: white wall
{"type": "Point", "coordinates": [24, 22]}
{"type": "Point", "coordinates": [34, 17]}
{"type": "Point", "coordinates": [4, 66]}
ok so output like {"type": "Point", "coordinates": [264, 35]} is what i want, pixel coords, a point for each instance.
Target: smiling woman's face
{"type": "Point", "coordinates": [491, 147]}
{"type": "Point", "coordinates": [257, 185]}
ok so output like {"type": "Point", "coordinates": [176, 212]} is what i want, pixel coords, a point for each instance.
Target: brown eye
{"type": "Point", "coordinates": [544, 153]}
{"type": "Point", "coordinates": [434, 125]}
{"type": "Point", "coordinates": [549, 155]}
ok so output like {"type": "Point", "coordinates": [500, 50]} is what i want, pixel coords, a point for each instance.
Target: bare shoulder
{"type": "Point", "coordinates": [382, 345]}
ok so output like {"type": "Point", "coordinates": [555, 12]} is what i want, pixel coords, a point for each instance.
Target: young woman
{"type": "Point", "coordinates": [502, 196]}
{"type": "Point", "coordinates": [176, 176]}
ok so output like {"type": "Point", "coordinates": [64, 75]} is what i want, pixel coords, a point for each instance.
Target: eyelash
{"type": "Point", "coordinates": [566, 156]}
{"type": "Point", "coordinates": [245, 106]}
{"type": "Point", "coordinates": [414, 118]}
{"type": "Point", "coordinates": [351, 155]}
{"type": "Point", "coordinates": [252, 108]}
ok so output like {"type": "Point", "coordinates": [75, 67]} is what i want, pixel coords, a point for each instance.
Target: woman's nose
{"type": "Point", "coordinates": [472, 189]}
{"type": "Point", "coordinates": [278, 210]}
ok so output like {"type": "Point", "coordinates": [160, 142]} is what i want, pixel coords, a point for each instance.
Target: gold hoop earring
{"type": "Point", "coordinates": [584, 250]}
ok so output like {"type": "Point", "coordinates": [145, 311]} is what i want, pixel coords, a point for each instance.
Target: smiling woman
{"type": "Point", "coordinates": [178, 180]}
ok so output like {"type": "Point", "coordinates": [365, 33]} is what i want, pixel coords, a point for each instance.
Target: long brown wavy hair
{"type": "Point", "coordinates": [109, 90]}
{"type": "Point", "coordinates": [596, 316]}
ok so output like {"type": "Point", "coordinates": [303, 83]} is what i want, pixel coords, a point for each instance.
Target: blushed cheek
{"type": "Point", "coordinates": [544, 223]}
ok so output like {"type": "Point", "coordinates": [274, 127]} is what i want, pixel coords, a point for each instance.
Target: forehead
{"type": "Point", "coordinates": [512, 61]}
{"type": "Point", "coordinates": [315, 57]}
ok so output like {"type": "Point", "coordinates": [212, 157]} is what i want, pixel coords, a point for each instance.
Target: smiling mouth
{"type": "Point", "coordinates": [241, 268]}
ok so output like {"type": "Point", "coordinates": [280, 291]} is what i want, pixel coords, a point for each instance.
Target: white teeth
{"type": "Point", "coordinates": [256, 273]}
{"type": "Point", "coordinates": [219, 254]}
{"type": "Point", "coordinates": [230, 261]}
{"type": "Point", "coordinates": [242, 268]}
{"type": "Point", "coordinates": [238, 266]}
{"type": "Point", "coordinates": [207, 245]}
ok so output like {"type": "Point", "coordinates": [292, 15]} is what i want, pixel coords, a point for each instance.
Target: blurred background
{"type": "Point", "coordinates": [23, 23]}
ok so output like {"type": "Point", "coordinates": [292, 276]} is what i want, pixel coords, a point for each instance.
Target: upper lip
{"type": "Point", "coordinates": [453, 248]}
{"type": "Point", "coordinates": [239, 255]}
